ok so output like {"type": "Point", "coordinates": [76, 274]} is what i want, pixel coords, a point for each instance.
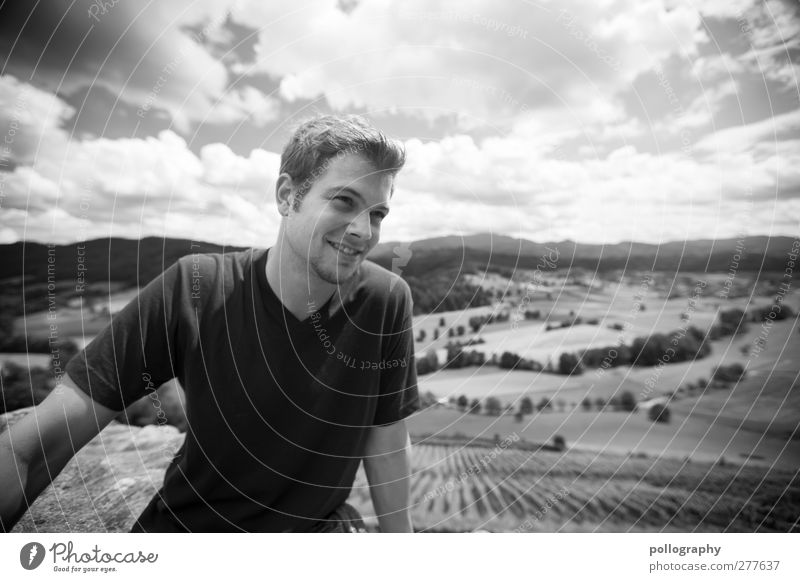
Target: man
{"type": "Point", "coordinates": [297, 362]}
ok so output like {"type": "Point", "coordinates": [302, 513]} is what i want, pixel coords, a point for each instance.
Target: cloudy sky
{"type": "Point", "coordinates": [597, 121]}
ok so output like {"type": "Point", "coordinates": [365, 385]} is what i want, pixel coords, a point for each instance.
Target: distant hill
{"type": "Point", "coordinates": [498, 252]}
{"type": "Point", "coordinates": [433, 268]}
{"type": "Point", "coordinates": [136, 262]}
{"type": "Point", "coordinates": [132, 262]}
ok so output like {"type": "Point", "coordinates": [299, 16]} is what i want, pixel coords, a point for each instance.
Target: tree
{"type": "Point", "coordinates": [493, 407]}
{"type": "Point", "coordinates": [586, 404]}
{"type": "Point", "coordinates": [659, 413]}
{"type": "Point", "coordinates": [732, 373]}
{"type": "Point", "coordinates": [477, 322]}
{"type": "Point", "coordinates": [436, 334]}
{"type": "Point", "coordinates": [568, 364]}
{"type": "Point", "coordinates": [461, 330]}
{"type": "Point", "coordinates": [428, 399]}
{"type": "Point", "coordinates": [526, 406]}
{"type": "Point", "coordinates": [462, 402]}
{"type": "Point", "coordinates": [421, 336]}
{"type": "Point", "coordinates": [544, 403]}
{"type": "Point", "coordinates": [559, 442]}
{"type": "Point", "coordinates": [508, 361]}
{"type": "Point", "coordinates": [423, 367]}
{"type": "Point", "coordinates": [475, 406]}
{"type": "Point", "coordinates": [518, 416]}
{"type": "Point", "coordinates": [627, 401]}
{"type": "Point", "coordinates": [441, 322]}
{"type": "Point", "coordinates": [433, 360]}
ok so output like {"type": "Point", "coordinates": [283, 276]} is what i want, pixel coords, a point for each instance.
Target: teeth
{"type": "Point", "coordinates": [344, 249]}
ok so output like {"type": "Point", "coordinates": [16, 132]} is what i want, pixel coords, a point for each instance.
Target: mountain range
{"type": "Point", "coordinates": [136, 262]}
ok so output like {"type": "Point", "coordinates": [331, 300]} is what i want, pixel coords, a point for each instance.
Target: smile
{"type": "Point", "coordinates": [344, 249]}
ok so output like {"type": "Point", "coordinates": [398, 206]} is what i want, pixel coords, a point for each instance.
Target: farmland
{"type": "Point", "coordinates": [457, 487]}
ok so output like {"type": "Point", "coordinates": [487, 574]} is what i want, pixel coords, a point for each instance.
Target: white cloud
{"type": "Point", "coordinates": [484, 60]}
{"type": "Point", "coordinates": [29, 119]}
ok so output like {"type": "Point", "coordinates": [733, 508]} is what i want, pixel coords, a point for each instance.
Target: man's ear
{"type": "Point", "coordinates": [284, 193]}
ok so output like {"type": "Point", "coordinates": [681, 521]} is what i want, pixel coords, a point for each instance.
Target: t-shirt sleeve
{"type": "Point", "coordinates": [135, 353]}
{"type": "Point", "coordinates": [399, 396]}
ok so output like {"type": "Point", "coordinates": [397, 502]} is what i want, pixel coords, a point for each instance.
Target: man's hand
{"type": "Point", "coordinates": [387, 463]}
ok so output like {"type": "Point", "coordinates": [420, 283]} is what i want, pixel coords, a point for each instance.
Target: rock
{"type": "Point", "coordinates": [107, 484]}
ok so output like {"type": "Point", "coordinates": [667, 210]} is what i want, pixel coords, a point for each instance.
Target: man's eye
{"type": "Point", "coordinates": [346, 199]}
{"type": "Point", "coordinates": [378, 216]}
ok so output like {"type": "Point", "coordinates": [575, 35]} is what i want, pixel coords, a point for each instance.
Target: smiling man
{"type": "Point", "coordinates": [297, 363]}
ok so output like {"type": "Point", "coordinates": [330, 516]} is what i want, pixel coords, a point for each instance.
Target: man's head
{"type": "Point", "coordinates": [318, 142]}
{"type": "Point", "coordinates": [337, 177]}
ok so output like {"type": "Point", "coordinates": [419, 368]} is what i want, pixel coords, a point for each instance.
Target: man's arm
{"type": "Point", "coordinates": [38, 446]}
{"type": "Point", "coordinates": [387, 463]}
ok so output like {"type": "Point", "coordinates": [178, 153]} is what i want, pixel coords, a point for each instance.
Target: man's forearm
{"type": "Point", "coordinates": [390, 483]}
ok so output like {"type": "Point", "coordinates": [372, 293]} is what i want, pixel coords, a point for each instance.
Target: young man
{"type": "Point", "coordinates": [297, 362]}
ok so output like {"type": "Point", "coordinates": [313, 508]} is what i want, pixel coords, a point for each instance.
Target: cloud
{"type": "Point", "coordinates": [29, 119]}
{"type": "Point", "coordinates": [484, 60]}
{"type": "Point", "coordinates": [138, 186]}
{"type": "Point", "coordinates": [147, 55]}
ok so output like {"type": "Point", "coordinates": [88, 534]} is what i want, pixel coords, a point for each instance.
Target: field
{"type": "Point", "coordinates": [459, 488]}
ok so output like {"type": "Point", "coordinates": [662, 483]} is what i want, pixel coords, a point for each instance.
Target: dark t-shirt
{"type": "Point", "coordinates": [278, 408]}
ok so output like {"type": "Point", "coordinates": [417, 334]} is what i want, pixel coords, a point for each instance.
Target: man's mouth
{"type": "Point", "coordinates": [345, 249]}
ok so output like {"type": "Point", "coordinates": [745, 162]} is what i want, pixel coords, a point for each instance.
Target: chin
{"type": "Point", "coordinates": [336, 275]}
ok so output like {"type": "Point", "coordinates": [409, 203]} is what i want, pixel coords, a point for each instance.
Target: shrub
{"type": "Point", "coordinates": [559, 442]}
{"type": "Point", "coordinates": [526, 406]}
{"type": "Point", "coordinates": [493, 407]}
{"type": "Point", "coordinates": [475, 406]}
{"type": "Point", "coordinates": [627, 401]}
{"type": "Point", "coordinates": [659, 413]}
{"type": "Point", "coordinates": [569, 364]}
{"type": "Point", "coordinates": [732, 373]}
{"type": "Point", "coordinates": [508, 361]}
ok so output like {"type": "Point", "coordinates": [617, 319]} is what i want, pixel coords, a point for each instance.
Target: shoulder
{"type": "Point", "coordinates": [215, 272]}
{"type": "Point", "coordinates": [382, 284]}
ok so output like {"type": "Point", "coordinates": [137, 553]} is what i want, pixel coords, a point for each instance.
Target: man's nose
{"type": "Point", "coordinates": [361, 227]}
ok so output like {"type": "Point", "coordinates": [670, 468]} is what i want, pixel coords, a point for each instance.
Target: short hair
{"type": "Point", "coordinates": [313, 145]}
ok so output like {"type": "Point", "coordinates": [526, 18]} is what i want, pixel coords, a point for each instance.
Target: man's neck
{"type": "Point", "coordinates": [298, 289]}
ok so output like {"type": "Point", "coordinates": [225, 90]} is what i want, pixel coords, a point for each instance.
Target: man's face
{"type": "Point", "coordinates": [339, 219]}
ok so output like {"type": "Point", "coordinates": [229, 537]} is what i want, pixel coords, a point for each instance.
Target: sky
{"type": "Point", "coordinates": [598, 121]}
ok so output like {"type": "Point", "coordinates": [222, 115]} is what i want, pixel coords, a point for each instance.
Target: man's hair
{"type": "Point", "coordinates": [317, 142]}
